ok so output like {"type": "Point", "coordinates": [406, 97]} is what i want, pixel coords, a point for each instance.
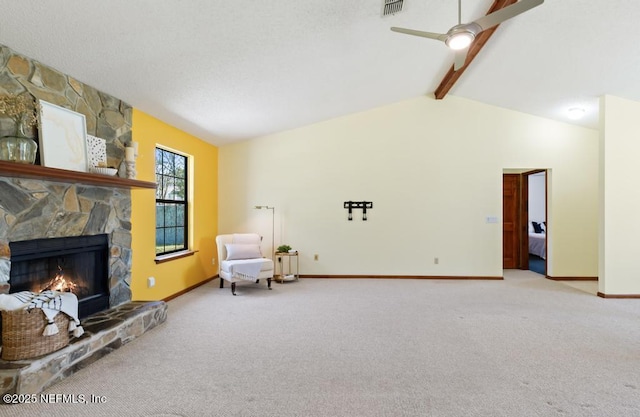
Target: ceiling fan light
{"type": "Point", "coordinates": [460, 40]}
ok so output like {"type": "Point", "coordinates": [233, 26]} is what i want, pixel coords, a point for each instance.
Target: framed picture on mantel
{"type": "Point", "coordinates": [63, 138]}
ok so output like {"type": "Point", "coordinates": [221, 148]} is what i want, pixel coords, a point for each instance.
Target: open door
{"type": "Point", "coordinates": [534, 245]}
{"type": "Point", "coordinates": [511, 210]}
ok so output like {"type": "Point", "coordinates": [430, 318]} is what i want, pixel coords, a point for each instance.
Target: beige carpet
{"type": "Point", "coordinates": [525, 346]}
{"type": "Point", "coordinates": [590, 287]}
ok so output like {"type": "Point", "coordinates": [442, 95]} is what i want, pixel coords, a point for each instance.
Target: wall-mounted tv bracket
{"type": "Point", "coordinates": [364, 205]}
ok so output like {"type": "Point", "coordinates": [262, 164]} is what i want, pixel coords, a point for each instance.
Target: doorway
{"type": "Point", "coordinates": [524, 240]}
{"type": "Point", "coordinates": [537, 221]}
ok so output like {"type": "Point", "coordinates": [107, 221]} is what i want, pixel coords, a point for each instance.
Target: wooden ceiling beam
{"type": "Point", "coordinates": [452, 76]}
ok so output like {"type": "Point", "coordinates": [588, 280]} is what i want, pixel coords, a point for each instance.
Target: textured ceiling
{"type": "Point", "coordinates": [232, 70]}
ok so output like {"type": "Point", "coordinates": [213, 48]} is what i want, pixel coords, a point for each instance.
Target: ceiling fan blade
{"type": "Point", "coordinates": [506, 13]}
{"type": "Point", "coordinates": [430, 35]}
{"type": "Point", "coordinates": [460, 58]}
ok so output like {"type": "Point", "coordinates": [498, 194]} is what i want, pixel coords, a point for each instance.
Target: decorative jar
{"type": "Point", "coordinates": [18, 148]}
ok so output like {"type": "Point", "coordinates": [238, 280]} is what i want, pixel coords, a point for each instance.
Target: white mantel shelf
{"type": "Point", "coordinates": [12, 169]}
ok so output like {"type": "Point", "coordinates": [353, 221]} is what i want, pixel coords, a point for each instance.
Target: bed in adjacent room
{"type": "Point", "coordinates": [537, 239]}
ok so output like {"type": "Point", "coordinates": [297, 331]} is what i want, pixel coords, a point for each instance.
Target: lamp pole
{"type": "Point", "coordinates": [273, 228]}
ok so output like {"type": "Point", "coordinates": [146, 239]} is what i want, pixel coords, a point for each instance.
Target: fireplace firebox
{"type": "Point", "coordinates": [79, 264]}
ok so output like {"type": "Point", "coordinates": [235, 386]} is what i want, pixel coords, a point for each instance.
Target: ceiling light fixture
{"type": "Point", "coordinates": [459, 41]}
{"type": "Point", "coordinates": [576, 113]}
{"type": "Point", "coordinates": [461, 36]}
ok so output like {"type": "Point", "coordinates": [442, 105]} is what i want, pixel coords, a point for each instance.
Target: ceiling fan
{"type": "Point", "coordinates": [461, 35]}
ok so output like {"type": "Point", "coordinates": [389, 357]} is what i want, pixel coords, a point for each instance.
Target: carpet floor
{"type": "Point", "coordinates": [525, 346]}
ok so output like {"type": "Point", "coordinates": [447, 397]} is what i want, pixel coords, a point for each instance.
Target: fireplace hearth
{"type": "Point", "coordinates": [79, 264]}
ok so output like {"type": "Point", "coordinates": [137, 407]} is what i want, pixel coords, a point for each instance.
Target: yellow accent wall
{"type": "Point", "coordinates": [176, 275]}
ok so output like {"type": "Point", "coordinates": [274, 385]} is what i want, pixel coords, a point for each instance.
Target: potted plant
{"type": "Point", "coordinates": [283, 249]}
{"type": "Point", "coordinates": [19, 147]}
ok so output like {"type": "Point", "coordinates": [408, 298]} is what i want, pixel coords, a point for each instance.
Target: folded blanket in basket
{"type": "Point", "coordinates": [51, 303]}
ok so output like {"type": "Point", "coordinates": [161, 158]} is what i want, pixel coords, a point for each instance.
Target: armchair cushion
{"type": "Point", "coordinates": [242, 251]}
{"type": "Point", "coordinates": [266, 267]}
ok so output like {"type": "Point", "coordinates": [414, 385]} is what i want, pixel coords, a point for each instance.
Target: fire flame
{"type": "Point", "coordinates": [60, 283]}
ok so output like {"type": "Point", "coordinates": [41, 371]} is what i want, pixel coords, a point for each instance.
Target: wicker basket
{"type": "Point", "coordinates": [22, 334]}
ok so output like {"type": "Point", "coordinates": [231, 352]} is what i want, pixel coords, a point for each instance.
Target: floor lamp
{"type": "Point", "coordinates": [273, 228]}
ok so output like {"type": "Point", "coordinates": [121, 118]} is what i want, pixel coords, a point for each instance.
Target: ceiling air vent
{"type": "Point", "coordinates": [390, 7]}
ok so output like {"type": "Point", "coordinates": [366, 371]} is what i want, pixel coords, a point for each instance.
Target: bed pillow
{"type": "Point", "coordinates": [237, 251]}
{"type": "Point", "coordinates": [536, 227]}
{"type": "Point", "coordinates": [531, 227]}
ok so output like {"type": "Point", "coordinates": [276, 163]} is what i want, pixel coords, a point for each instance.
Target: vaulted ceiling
{"type": "Point", "coordinates": [233, 70]}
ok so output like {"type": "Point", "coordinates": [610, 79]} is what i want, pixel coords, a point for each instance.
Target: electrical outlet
{"type": "Point", "coordinates": [436, 261]}
{"type": "Point", "coordinates": [315, 257]}
{"type": "Point", "coordinates": [151, 281]}
{"type": "Point", "coordinates": [213, 261]}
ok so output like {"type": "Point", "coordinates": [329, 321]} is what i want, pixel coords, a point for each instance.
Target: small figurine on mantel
{"type": "Point", "coordinates": [130, 153]}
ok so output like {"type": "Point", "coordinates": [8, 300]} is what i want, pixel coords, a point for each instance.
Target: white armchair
{"type": "Point", "coordinates": [240, 259]}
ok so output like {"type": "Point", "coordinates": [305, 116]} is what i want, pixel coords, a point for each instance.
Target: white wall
{"type": "Point", "coordinates": [433, 170]}
{"type": "Point", "coordinates": [620, 201]}
{"type": "Point", "coordinates": [537, 199]}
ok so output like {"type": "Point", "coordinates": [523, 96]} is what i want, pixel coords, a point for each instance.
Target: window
{"type": "Point", "coordinates": [171, 202]}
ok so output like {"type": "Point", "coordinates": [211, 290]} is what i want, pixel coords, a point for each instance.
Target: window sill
{"type": "Point", "coordinates": [175, 255]}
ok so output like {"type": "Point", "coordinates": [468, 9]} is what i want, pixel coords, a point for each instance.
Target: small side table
{"type": "Point", "coordinates": [279, 272]}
